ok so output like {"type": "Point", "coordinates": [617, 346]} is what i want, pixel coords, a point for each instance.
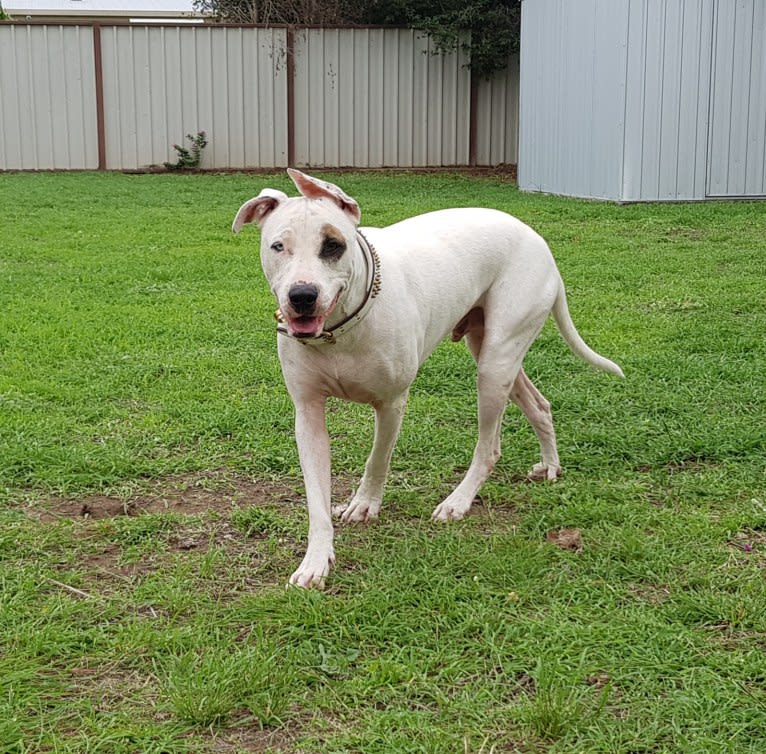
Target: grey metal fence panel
{"type": "Point", "coordinates": [364, 97]}
{"type": "Point", "coordinates": [737, 164]}
{"type": "Point", "coordinates": [378, 97]}
{"type": "Point", "coordinates": [161, 83]}
{"type": "Point", "coordinates": [497, 130]}
{"type": "Point", "coordinates": [47, 98]}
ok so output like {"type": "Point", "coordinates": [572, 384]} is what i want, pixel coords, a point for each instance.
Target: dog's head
{"type": "Point", "coordinates": [307, 246]}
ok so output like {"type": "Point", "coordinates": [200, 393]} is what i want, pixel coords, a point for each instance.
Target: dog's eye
{"type": "Point", "coordinates": [332, 249]}
{"type": "Point", "coordinates": [278, 246]}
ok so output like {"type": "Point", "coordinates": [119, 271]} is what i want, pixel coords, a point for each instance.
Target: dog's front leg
{"type": "Point", "coordinates": [365, 504]}
{"type": "Point", "coordinates": [314, 452]}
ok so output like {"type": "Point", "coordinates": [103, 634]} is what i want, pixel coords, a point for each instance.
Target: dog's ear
{"type": "Point", "coordinates": [313, 188]}
{"type": "Point", "coordinates": [258, 208]}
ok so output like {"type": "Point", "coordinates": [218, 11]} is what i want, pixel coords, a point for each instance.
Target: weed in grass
{"type": "Point", "coordinates": [203, 691]}
{"type": "Point", "coordinates": [212, 688]}
{"type": "Point", "coordinates": [261, 521]}
{"type": "Point", "coordinates": [557, 704]}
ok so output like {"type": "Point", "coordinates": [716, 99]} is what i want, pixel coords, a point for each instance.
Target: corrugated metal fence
{"type": "Point", "coordinates": [117, 97]}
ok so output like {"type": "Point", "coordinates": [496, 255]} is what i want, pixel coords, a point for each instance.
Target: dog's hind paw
{"type": "Point", "coordinates": [542, 472]}
{"type": "Point", "coordinates": [450, 510]}
{"type": "Point", "coordinates": [360, 510]}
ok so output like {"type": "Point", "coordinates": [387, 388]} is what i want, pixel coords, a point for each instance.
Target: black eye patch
{"type": "Point", "coordinates": [332, 249]}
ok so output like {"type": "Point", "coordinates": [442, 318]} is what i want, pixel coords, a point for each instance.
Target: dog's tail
{"type": "Point", "coordinates": [573, 338]}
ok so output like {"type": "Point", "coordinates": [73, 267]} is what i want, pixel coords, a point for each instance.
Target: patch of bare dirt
{"type": "Point", "coordinates": [498, 516]}
{"type": "Point", "coordinates": [190, 495]}
{"type": "Point", "coordinates": [653, 594]}
{"type": "Point", "coordinates": [204, 504]}
{"type": "Point", "coordinates": [253, 740]}
{"type": "Point", "coordinates": [211, 513]}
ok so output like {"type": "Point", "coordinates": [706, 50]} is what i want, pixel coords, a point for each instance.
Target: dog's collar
{"type": "Point", "coordinates": [372, 263]}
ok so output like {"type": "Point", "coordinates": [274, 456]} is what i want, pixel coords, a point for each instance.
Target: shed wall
{"type": "Point", "coordinates": [643, 99]}
{"type": "Point", "coordinates": [572, 95]}
{"type": "Point", "coordinates": [667, 100]}
{"type": "Point", "coordinates": [737, 164]}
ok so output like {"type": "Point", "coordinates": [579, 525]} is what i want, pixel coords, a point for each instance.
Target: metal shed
{"type": "Point", "coordinates": [643, 100]}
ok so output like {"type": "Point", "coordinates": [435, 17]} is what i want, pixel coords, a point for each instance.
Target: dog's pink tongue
{"type": "Point", "coordinates": [306, 327]}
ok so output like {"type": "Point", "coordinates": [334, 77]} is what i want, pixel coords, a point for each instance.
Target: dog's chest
{"type": "Point", "coordinates": [367, 375]}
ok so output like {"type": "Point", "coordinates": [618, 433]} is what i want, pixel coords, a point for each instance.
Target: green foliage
{"type": "Point", "coordinates": [188, 159]}
{"type": "Point", "coordinates": [487, 30]}
{"type": "Point", "coordinates": [494, 32]}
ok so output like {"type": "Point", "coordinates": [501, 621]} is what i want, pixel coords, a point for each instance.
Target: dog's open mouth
{"type": "Point", "coordinates": [306, 327]}
{"type": "Point", "coordinates": [310, 326]}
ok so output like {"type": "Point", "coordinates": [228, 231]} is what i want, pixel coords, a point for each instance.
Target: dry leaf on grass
{"type": "Point", "coordinates": [566, 539]}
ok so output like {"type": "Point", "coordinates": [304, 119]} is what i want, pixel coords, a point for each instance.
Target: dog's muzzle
{"type": "Point", "coordinates": [303, 323]}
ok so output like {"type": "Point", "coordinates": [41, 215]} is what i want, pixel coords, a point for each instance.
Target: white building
{"type": "Point", "coordinates": [111, 10]}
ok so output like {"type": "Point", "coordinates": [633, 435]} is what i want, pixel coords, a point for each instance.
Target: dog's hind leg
{"type": "Point", "coordinates": [499, 361]}
{"type": "Point", "coordinates": [366, 502]}
{"type": "Point", "coordinates": [538, 411]}
{"type": "Point", "coordinates": [493, 398]}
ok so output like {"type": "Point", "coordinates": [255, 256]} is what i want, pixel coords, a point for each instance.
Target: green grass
{"type": "Point", "coordinates": [151, 504]}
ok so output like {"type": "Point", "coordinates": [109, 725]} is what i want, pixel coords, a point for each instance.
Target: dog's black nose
{"type": "Point", "coordinates": [303, 297]}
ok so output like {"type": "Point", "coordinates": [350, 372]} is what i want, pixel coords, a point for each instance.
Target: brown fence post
{"type": "Point", "coordinates": [291, 96]}
{"type": "Point", "coordinates": [100, 120]}
{"type": "Point", "coordinates": [473, 121]}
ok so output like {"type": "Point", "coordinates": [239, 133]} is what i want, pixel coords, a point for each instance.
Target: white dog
{"type": "Point", "coordinates": [360, 309]}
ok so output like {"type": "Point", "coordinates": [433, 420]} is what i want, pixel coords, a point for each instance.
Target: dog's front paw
{"type": "Point", "coordinates": [313, 570]}
{"type": "Point", "coordinates": [541, 472]}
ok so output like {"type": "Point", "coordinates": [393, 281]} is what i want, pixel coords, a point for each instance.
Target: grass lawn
{"type": "Point", "coordinates": [151, 503]}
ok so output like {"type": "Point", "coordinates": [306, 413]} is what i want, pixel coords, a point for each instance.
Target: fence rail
{"type": "Point", "coordinates": [117, 97]}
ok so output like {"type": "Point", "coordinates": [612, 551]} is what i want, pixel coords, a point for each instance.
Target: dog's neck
{"type": "Point", "coordinates": [352, 310]}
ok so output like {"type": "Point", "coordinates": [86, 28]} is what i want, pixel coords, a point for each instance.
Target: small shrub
{"type": "Point", "coordinates": [188, 159]}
